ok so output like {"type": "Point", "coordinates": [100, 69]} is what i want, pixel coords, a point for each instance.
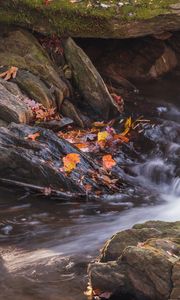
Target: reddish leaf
{"type": "Point", "coordinates": [108, 161]}
{"type": "Point", "coordinates": [33, 136]}
{"type": "Point", "coordinates": [88, 187]}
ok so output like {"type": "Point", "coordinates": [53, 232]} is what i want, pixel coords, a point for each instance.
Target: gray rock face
{"type": "Point", "coordinates": [142, 261]}
{"type": "Point", "coordinates": [88, 80]}
{"type": "Point", "coordinates": [12, 107]}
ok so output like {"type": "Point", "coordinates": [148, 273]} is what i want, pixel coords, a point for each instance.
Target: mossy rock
{"type": "Point", "coordinates": [142, 262]}
{"type": "Point", "coordinates": [130, 19]}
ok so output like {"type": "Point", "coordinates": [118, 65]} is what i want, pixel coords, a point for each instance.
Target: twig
{"type": "Point", "coordinates": [68, 196]}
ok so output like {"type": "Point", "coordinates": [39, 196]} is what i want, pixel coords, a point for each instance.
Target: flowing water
{"type": "Point", "coordinates": [46, 245]}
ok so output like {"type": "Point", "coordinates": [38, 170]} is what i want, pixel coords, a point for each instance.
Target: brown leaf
{"type": "Point", "coordinates": [84, 147]}
{"type": "Point", "coordinates": [10, 73]}
{"type": "Point", "coordinates": [88, 187]}
{"type": "Point", "coordinates": [33, 136]}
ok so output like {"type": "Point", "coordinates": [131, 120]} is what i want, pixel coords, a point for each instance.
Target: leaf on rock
{"type": "Point", "coordinates": [33, 136]}
{"type": "Point", "coordinates": [84, 147]}
{"type": "Point", "coordinates": [47, 191]}
{"type": "Point", "coordinates": [102, 136]}
{"type": "Point", "coordinates": [10, 73]}
{"type": "Point", "coordinates": [70, 161]}
{"type": "Point", "coordinates": [88, 187]}
{"type": "Point", "coordinates": [122, 138]}
{"type": "Point", "coordinates": [127, 126]}
{"type": "Point", "coordinates": [108, 161]}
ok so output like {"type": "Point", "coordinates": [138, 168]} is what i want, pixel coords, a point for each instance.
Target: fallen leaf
{"type": "Point", "coordinates": [33, 136]}
{"type": "Point", "coordinates": [127, 126]}
{"type": "Point", "coordinates": [47, 191]}
{"type": "Point", "coordinates": [108, 161]}
{"type": "Point", "coordinates": [70, 161]}
{"type": "Point", "coordinates": [88, 187]}
{"type": "Point", "coordinates": [102, 136]}
{"type": "Point", "coordinates": [84, 147]}
{"type": "Point", "coordinates": [99, 124]}
{"type": "Point", "coordinates": [90, 137]}
{"type": "Point", "coordinates": [121, 137]}
{"type": "Point", "coordinates": [10, 73]}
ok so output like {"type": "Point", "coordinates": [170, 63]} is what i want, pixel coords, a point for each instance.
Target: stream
{"type": "Point", "coordinates": [46, 245]}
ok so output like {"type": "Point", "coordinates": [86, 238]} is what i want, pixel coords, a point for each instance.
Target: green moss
{"type": "Point", "coordinates": [64, 17]}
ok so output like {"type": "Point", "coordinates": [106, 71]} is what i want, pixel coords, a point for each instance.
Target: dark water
{"type": "Point", "coordinates": [46, 245]}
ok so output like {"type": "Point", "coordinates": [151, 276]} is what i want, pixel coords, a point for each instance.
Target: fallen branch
{"type": "Point", "coordinates": [49, 192]}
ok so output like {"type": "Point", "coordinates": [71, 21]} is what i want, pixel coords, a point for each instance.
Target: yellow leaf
{"type": "Point", "coordinates": [128, 123]}
{"type": "Point", "coordinates": [127, 126]}
{"type": "Point", "coordinates": [102, 136]}
{"type": "Point", "coordinates": [70, 161]}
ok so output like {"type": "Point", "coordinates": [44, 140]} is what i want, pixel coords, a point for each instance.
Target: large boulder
{"type": "Point", "coordinates": [88, 80]}
{"type": "Point", "coordinates": [142, 261]}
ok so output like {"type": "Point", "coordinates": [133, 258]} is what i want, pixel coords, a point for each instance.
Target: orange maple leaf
{"type": "Point", "coordinates": [33, 136]}
{"type": "Point", "coordinates": [84, 147]}
{"type": "Point", "coordinates": [108, 161]}
{"type": "Point", "coordinates": [10, 73]}
{"type": "Point", "coordinates": [70, 161]}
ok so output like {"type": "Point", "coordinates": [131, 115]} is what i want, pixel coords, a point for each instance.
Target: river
{"type": "Point", "coordinates": [46, 245]}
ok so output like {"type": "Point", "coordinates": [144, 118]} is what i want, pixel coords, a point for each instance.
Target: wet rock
{"type": "Point", "coordinates": [68, 109]}
{"type": "Point", "coordinates": [88, 80]}
{"type": "Point", "coordinates": [142, 261]}
{"type": "Point", "coordinates": [35, 88]}
{"type": "Point", "coordinates": [56, 125]}
{"type": "Point", "coordinates": [40, 162]}
{"type": "Point", "coordinates": [3, 123]}
{"type": "Point", "coordinates": [175, 294]}
{"type": "Point", "coordinates": [12, 107]}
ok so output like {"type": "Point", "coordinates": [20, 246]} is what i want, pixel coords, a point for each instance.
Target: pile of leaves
{"type": "Point", "coordinates": [101, 137]}
{"type": "Point", "coordinates": [41, 113]}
